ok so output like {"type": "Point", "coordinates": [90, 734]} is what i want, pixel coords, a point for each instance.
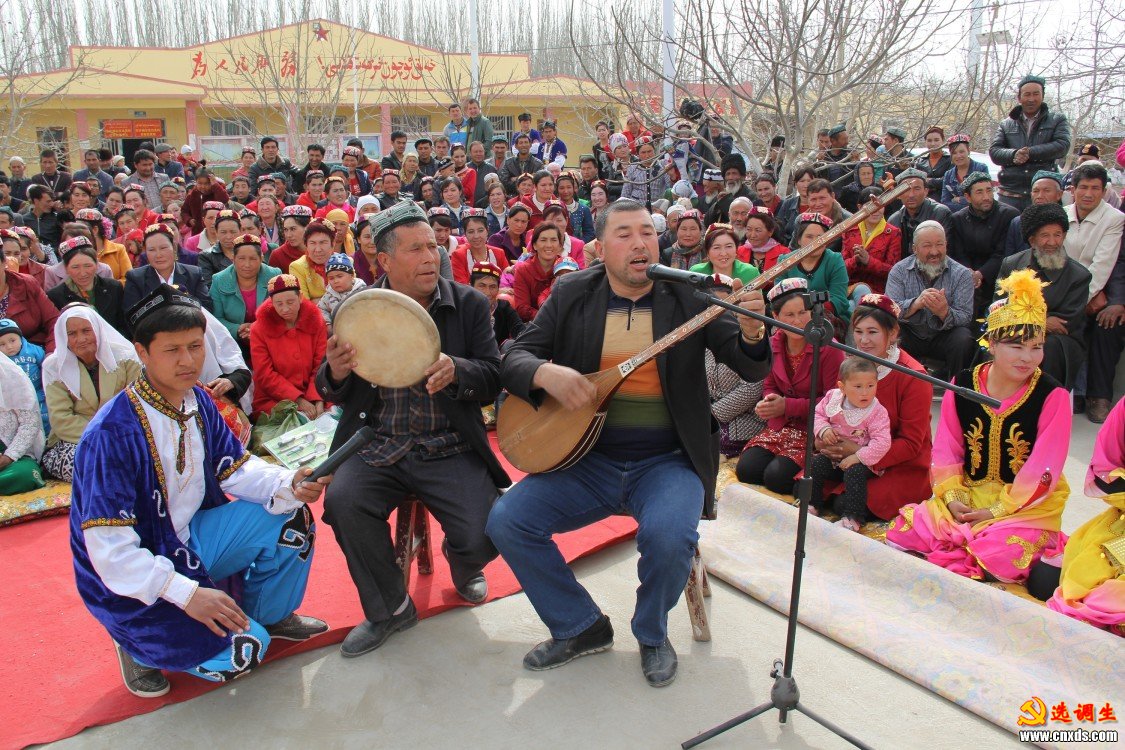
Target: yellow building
{"type": "Point", "coordinates": [311, 82]}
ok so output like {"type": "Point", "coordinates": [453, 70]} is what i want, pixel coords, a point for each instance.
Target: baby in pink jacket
{"type": "Point", "coordinates": [850, 412]}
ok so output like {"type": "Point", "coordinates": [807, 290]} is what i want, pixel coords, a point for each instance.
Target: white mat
{"type": "Point", "coordinates": [982, 648]}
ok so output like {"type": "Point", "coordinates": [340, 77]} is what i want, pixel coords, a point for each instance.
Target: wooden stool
{"type": "Point", "coordinates": [698, 587]}
{"type": "Point", "coordinates": [412, 538]}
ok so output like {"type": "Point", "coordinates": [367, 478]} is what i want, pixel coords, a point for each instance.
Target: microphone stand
{"type": "Point", "coordinates": [785, 696]}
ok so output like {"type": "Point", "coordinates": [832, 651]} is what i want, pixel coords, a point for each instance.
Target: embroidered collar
{"type": "Point", "coordinates": [853, 415]}
{"type": "Point", "coordinates": [145, 392]}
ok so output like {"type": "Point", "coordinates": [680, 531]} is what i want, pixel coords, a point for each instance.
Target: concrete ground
{"type": "Point", "coordinates": [455, 681]}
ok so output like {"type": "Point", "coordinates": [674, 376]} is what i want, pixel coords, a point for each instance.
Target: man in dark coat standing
{"type": "Point", "coordinates": [978, 234]}
{"type": "Point", "coordinates": [656, 457]}
{"type": "Point", "coordinates": [1031, 138]}
{"type": "Point", "coordinates": [430, 440]}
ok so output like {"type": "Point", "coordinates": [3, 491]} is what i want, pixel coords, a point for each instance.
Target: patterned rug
{"type": "Point", "coordinates": [970, 643]}
{"type": "Point", "coordinates": [52, 500]}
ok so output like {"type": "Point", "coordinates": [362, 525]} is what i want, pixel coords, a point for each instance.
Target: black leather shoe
{"type": "Point", "coordinates": [659, 663]}
{"type": "Point", "coordinates": [141, 681]}
{"type": "Point", "coordinates": [475, 591]}
{"type": "Point", "coordinates": [368, 636]}
{"type": "Point", "coordinates": [552, 653]}
{"type": "Point", "coordinates": [296, 627]}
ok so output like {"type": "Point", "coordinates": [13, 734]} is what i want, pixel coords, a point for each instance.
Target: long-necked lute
{"type": "Point", "coordinates": [552, 437]}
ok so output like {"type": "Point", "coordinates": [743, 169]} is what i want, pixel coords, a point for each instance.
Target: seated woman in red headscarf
{"type": "Point", "coordinates": [775, 456]}
{"type": "Point", "coordinates": [998, 487]}
{"type": "Point", "coordinates": [287, 343]}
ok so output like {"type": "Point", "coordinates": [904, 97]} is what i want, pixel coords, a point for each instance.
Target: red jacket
{"type": "Point", "coordinates": [530, 281]}
{"type": "Point", "coordinates": [459, 259]}
{"type": "Point", "coordinates": [286, 359]}
{"type": "Point", "coordinates": [33, 312]}
{"type": "Point", "coordinates": [536, 215]}
{"type": "Point", "coordinates": [468, 180]}
{"type": "Point", "coordinates": [795, 387]}
{"type": "Point", "coordinates": [284, 255]}
{"type": "Point", "coordinates": [192, 211]}
{"type": "Point", "coordinates": [884, 251]}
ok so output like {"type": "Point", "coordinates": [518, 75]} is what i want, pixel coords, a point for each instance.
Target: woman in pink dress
{"type": "Point", "coordinates": [1092, 588]}
{"type": "Point", "coordinates": [998, 486]}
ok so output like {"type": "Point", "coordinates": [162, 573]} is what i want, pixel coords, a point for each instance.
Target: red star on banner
{"type": "Point", "coordinates": [321, 32]}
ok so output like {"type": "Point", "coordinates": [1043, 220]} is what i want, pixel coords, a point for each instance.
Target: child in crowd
{"type": "Point", "coordinates": [134, 245]}
{"type": "Point", "coordinates": [850, 412]}
{"type": "Point", "coordinates": [29, 357]}
{"type": "Point", "coordinates": [562, 268]}
{"type": "Point", "coordinates": [506, 323]}
{"type": "Point", "coordinates": [340, 274]}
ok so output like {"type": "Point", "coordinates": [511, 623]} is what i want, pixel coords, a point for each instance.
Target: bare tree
{"type": "Point", "coordinates": [786, 66]}
{"type": "Point", "coordinates": [1090, 74]}
{"type": "Point", "coordinates": [23, 54]}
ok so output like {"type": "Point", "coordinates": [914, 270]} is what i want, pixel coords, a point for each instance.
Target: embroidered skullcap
{"type": "Point", "coordinates": [160, 228]}
{"type": "Point", "coordinates": [481, 268]}
{"type": "Point", "coordinates": [617, 139]}
{"type": "Point", "coordinates": [286, 282]}
{"type": "Point", "coordinates": [712, 175]}
{"type": "Point", "coordinates": [444, 164]}
{"type": "Point", "coordinates": [352, 151]}
{"type": "Point", "coordinates": [214, 206]}
{"type": "Point", "coordinates": [785, 288]}
{"type": "Point", "coordinates": [554, 205]}
{"type": "Point", "coordinates": [296, 210]}
{"type": "Point", "coordinates": [71, 247]}
{"type": "Point", "coordinates": [897, 132]}
{"type": "Point", "coordinates": [265, 178]}
{"type": "Point", "coordinates": [88, 214]}
{"type": "Point", "coordinates": [958, 138]}
{"type": "Point", "coordinates": [252, 240]}
{"type": "Point", "coordinates": [837, 129]}
{"type": "Point", "coordinates": [881, 302]}
{"type": "Point", "coordinates": [814, 218]}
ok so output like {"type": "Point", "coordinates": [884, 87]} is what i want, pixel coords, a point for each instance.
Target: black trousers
{"type": "Point", "coordinates": [758, 466]}
{"type": "Point", "coordinates": [457, 490]}
{"type": "Point", "coordinates": [955, 347]}
{"type": "Point", "coordinates": [1106, 345]}
{"type": "Point", "coordinates": [853, 502]}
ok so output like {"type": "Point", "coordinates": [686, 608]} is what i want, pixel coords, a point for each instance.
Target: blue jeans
{"type": "Point", "coordinates": [663, 493]}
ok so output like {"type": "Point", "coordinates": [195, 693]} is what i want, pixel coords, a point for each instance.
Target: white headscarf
{"type": "Point", "coordinates": [18, 394]}
{"type": "Point", "coordinates": [223, 355]}
{"type": "Point", "coordinates": [63, 365]}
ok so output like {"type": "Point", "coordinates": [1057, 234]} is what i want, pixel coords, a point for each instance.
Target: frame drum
{"type": "Point", "coordinates": [395, 339]}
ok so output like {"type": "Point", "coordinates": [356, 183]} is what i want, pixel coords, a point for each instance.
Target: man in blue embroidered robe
{"type": "Point", "coordinates": [154, 534]}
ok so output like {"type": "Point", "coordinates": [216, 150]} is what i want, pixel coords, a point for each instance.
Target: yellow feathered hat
{"type": "Point", "coordinates": [1021, 312]}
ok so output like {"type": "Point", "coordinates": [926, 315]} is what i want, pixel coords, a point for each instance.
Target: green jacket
{"type": "Point", "coordinates": [744, 272]}
{"type": "Point", "coordinates": [830, 275]}
{"type": "Point", "coordinates": [230, 308]}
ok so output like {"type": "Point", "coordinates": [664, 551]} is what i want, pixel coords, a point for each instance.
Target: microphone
{"type": "Point", "coordinates": [657, 272]}
{"type": "Point", "coordinates": [362, 437]}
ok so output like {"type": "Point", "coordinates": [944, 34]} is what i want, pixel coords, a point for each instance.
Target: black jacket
{"type": "Point", "coordinates": [108, 300]}
{"type": "Point", "coordinates": [1049, 142]}
{"type": "Point", "coordinates": [465, 327]}
{"type": "Point", "coordinates": [513, 168]}
{"type": "Point", "coordinates": [570, 329]}
{"type": "Point", "coordinates": [506, 322]}
{"type": "Point", "coordinates": [977, 242]}
{"type": "Point", "coordinates": [263, 167]}
{"type": "Point", "coordinates": [483, 169]}
{"type": "Point", "coordinates": [143, 280]}
{"type": "Point", "coordinates": [935, 176]}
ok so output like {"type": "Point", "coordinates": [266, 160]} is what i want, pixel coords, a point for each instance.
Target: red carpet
{"type": "Point", "coordinates": [62, 675]}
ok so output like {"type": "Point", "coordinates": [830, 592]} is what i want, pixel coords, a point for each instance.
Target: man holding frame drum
{"type": "Point", "coordinates": [430, 441]}
{"type": "Point", "coordinates": [657, 456]}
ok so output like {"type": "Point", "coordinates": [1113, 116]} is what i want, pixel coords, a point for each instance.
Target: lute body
{"type": "Point", "coordinates": [553, 437]}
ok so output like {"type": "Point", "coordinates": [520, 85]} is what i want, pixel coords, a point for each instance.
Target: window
{"type": "Point", "coordinates": [502, 125]}
{"type": "Point", "coordinates": [54, 138]}
{"type": "Point", "coordinates": [230, 128]}
{"type": "Point", "coordinates": [411, 124]}
{"type": "Point", "coordinates": [325, 125]}
{"type": "Point", "coordinates": [372, 147]}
